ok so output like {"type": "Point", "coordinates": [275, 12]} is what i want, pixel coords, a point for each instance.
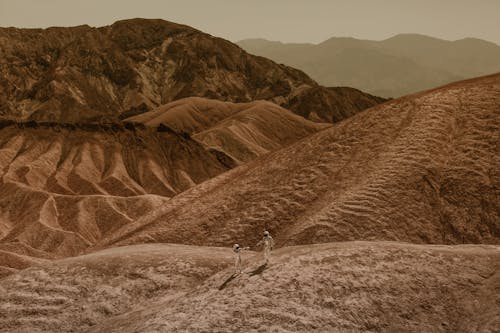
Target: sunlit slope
{"type": "Point", "coordinates": [423, 169]}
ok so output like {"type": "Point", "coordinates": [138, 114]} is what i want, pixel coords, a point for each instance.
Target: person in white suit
{"type": "Point", "coordinates": [268, 242]}
{"type": "Point", "coordinates": [237, 257]}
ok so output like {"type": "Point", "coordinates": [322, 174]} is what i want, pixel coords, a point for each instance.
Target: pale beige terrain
{"type": "Point", "coordinates": [422, 169]}
{"type": "Point", "coordinates": [336, 287]}
{"type": "Point", "coordinates": [243, 131]}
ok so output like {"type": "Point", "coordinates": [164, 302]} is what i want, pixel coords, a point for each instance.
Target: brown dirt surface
{"type": "Point", "coordinates": [86, 74]}
{"type": "Point", "coordinates": [74, 294]}
{"type": "Point", "coordinates": [422, 169]}
{"type": "Point", "coordinates": [335, 287]}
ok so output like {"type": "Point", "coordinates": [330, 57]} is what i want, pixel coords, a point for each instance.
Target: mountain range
{"type": "Point", "coordinates": [394, 67]}
{"type": "Point", "coordinates": [86, 74]}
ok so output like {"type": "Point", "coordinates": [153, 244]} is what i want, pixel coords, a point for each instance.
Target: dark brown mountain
{"type": "Point", "coordinates": [85, 74]}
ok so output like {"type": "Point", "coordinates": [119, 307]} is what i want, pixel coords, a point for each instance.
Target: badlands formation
{"type": "Point", "coordinates": [132, 157]}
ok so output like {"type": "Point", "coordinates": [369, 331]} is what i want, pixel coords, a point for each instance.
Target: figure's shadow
{"type": "Point", "coordinates": [229, 279]}
{"type": "Point", "coordinates": [258, 270]}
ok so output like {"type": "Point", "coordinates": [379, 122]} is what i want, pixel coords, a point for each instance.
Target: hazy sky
{"type": "Point", "coordinates": [284, 20]}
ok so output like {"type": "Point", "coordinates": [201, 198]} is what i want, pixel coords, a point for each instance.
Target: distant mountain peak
{"type": "Point", "coordinates": [399, 65]}
{"type": "Point", "coordinates": [410, 35]}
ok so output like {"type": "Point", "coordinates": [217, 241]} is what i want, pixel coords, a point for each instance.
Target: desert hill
{"type": "Point", "coordinates": [394, 67]}
{"type": "Point", "coordinates": [422, 169]}
{"type": "Point", "coordinates": [112, 159]}
{"type": "Point", "coordinates": [351, 286]}
{"type": "Point", "coordinates": [65, 186]}
{"type": "Point", "coordinates": [86, 74]}
{"type": "Point", "coordinates": [243, 131]}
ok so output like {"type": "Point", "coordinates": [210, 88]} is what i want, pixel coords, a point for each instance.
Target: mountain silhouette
{"type": "Point", "coordinates": [397, 66]}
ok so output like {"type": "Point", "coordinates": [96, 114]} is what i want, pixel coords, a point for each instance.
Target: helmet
{"type": "Point", "coordinates": [266, 233]}
{"type": "Point", "coordinates": [236, 246]}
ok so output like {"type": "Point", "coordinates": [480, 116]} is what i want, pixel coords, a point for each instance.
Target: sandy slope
{"type": "Point", "coordinates": [352, 286]}
{"type": "Point", "coordinates": [363, 287]}
{"type": "Point", "coordinates": [243, 131]}
{"type": "Point", "coordinates": [423, 168]}
{"type": "Point", "coordinates": [74, 294]}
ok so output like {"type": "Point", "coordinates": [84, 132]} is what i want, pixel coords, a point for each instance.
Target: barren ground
{"type": "Point", "coordinates": [346, 286]}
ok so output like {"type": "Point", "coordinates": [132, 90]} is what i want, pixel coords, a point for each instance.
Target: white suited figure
{"type": "Point", "coordinates": [268, 242]}
{"type": "Point", "coordinates": [237, 257]}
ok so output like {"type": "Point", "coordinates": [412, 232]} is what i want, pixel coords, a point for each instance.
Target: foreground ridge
{"type": "Point", "coordinates": [362, 286]}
